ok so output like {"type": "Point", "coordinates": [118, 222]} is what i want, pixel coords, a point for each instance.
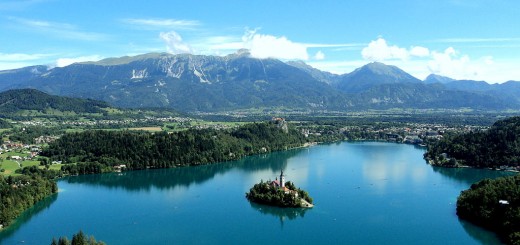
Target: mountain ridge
{"type": "Point", "coordinates": [188, 82]}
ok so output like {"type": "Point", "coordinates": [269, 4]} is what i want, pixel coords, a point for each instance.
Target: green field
{"type": "Point", "coordinates": [10, 166]}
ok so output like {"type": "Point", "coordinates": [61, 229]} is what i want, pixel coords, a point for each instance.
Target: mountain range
{"type": "Point", "coordinates": [237, 81]}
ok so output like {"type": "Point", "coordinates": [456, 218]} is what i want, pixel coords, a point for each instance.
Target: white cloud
{"type": "Point", "coordinates": [61, 62]}
{"type": "Point", "coordinates": [319, 55]}
{"type": "Point", "coordinates": [58, 30]}
{"type": "Point", "coordinates": [17, 57]}
{"type": "Point", "coordinates": [19, 60]}
{"type": "Point", "coordinates": [267, 46]}
{"type": "Point", "coordinates": [419, 51]}
{"type": "Point", "coordinates": [379, 50]}
{"type": "Point", "coordinates": [174, 43]}
{"type": "Point", "coordinates": [449, 63]}
{"type": "Point", "coordinates": [162, 23]}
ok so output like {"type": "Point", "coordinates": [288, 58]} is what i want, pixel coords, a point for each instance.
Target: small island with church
{"type": "Point", "coordinates": [279, 193]}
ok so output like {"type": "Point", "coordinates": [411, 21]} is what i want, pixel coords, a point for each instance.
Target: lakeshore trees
{"type": "Point", "coordinates": [498, 146]}
{"type": "Point", "coordinates": [21, 192]}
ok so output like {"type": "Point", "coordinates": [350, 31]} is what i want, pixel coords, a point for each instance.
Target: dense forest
{"type": "Point", "coordinates": [21, 192]}
{"type": "Point", "coordinates": [264, 193]}
{"type": "Point", "coordinates": [494, 204]}
{"type": "Point", "coordinates": [498, 146]}
{"type": "Point", "coordinates": [98, 151]}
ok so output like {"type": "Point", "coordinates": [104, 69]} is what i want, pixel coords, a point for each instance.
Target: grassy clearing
{"type": "Point", "coordinates": [9, 167]}
{"type": "Point", "coordinates": [152, 129]}
{"type": "Point", "coordinates": [54, 167]}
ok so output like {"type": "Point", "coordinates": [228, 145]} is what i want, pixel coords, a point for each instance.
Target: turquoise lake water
{"type": "Point", "coordinates": [364, 193]}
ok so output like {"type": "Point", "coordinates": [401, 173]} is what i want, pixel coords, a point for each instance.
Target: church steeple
{"type": "Point", "coordinates": [282, 179]}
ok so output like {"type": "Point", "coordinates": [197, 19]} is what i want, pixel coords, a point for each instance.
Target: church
{"type": "Point", "coordinates": [280, 184]}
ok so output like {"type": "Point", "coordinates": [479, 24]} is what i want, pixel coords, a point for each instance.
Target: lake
{"type": "Point", "coordinates": [364, 193]}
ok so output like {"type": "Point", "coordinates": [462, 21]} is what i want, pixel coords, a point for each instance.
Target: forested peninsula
{"type": "Point", "coordinates": [498, 147]}
{"type": "Point", "coordinates": [101, 151]}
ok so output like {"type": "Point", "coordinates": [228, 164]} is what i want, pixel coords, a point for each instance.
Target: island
{"type": "Point", "coordinates": [279, 193]}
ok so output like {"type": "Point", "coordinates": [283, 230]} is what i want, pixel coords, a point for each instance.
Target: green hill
{"type": "Point", "coordinates": [16, 100]}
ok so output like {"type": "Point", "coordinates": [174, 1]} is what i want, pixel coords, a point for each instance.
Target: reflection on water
{"type": "Point", "coordinates": [469, 176]}
{"type": "Point", "coordinates": [385, 163]}
{"type": "Point", "coordinates": [27, 215]}
{"type": "Point", "coordinates": [184, 176]}
{"type": "Point", "coordinates": [478, 234]}
{"type": "Point", "coordinates": [368, 193]}
{"type": "Point", "coordinates": [281, 213]}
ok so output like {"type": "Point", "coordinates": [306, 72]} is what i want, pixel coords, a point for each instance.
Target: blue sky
{"type": "Point", "coordinates": [462, 39]}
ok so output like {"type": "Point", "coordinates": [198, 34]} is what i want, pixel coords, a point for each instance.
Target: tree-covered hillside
{"type": "Point", "coordinates": [498, 146]}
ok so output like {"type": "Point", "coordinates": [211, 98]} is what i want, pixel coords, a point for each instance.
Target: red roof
{"type": "Point", "coordinates": [275, 183]}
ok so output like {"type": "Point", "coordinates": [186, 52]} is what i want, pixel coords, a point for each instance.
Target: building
{"type": "Point", "coordinates": [16, 157]}
{"type": "Point", "coordinates": [280, 184]}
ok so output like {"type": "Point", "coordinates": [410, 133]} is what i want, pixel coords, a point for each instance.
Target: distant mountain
{"type": "Point", "coordinates": [9, 77]}
{"type": "Point", "coordinates": [319, 75]}
{"type": "Point", "coordinates": [190, 83]}
{"type": "Point", "coordinates": [423, 96]}
{"type": "Point", "coordinates": [213, 83]}
{"type": "Point", "coordinates": [371, 75]}
{"type": "Point", "coordinates": [433, 78]}
{"type": "Point", "coordinates": [13, 101]}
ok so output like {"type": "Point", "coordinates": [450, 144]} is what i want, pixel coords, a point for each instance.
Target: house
{"type": "Point", "coordinates": [119, 168]}
{"type": "Point", "coordinates": [16, 157]}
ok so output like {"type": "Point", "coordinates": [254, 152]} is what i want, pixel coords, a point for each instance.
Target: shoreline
{"type": "Point", "coordinates": [432, 163]}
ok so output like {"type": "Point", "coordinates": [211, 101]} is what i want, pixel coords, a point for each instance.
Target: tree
{"type": "Point", "coordinates": [63, 241]}
{"type": "Point", "coordinates": [79, 239]}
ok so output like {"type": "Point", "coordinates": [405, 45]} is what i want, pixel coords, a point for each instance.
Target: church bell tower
{"type": "Point", "coordinates": [282, 179]}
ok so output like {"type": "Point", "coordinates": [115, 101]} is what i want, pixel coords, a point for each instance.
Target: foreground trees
{"type": "Point", "coordinates": [77, 239]}
{"type": "Point", "coordinates": [495, 205]}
